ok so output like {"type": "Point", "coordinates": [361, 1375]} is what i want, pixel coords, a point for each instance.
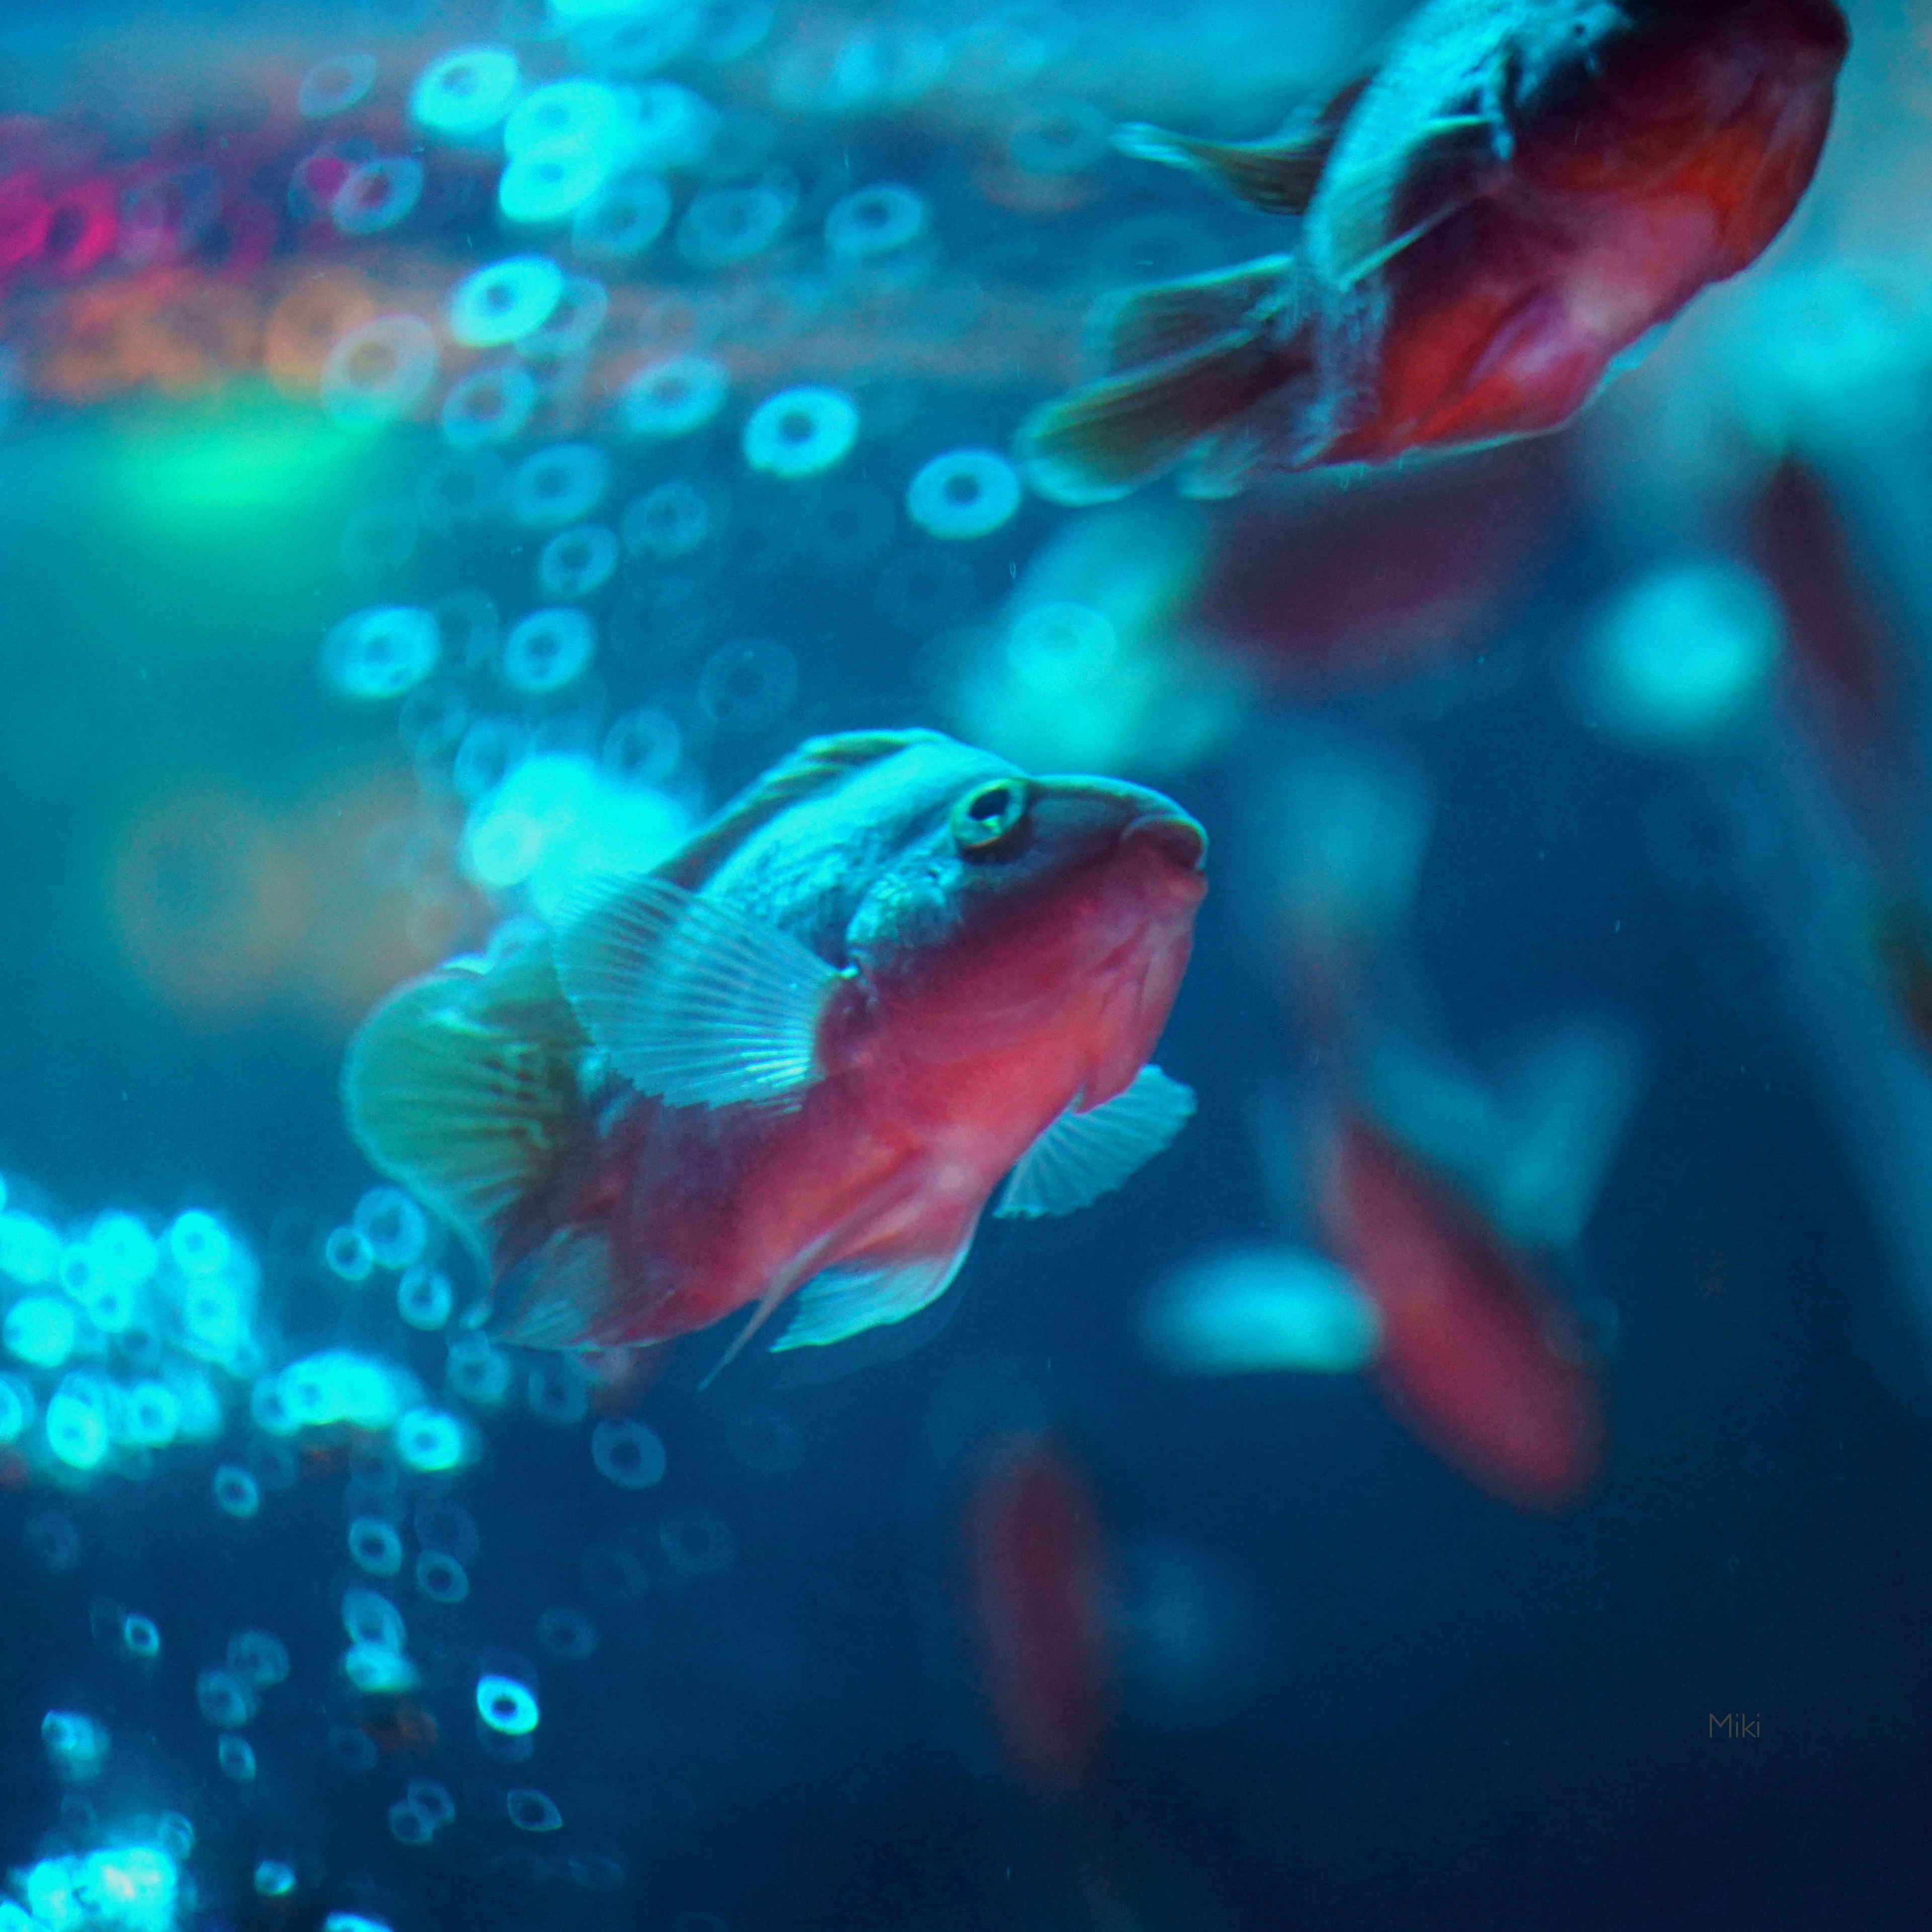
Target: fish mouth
{"type": "Point", "coordinates": [1173, 834]}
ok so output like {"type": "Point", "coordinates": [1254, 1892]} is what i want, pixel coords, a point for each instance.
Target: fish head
{"type": "Point", "coordinates": [1612, 97]}
{"type": "Point", "coordinates": [1023, 907]}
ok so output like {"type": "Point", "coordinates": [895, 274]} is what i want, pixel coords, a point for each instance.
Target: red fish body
{"type": "Point", "coordinates": [801, 1055]}
{"type": "Point", "coordinates": [1040, 1585]}
{"type": "Point", "coordinates": [1517, 195]}
{"type": "Point", "coordinates": [1470, 1354]}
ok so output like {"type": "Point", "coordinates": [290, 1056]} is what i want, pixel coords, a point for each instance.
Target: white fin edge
{"type": "Point", "coordinates": [1082, 1156]}
{"type": "Point", "coordinates": [846, 1300]}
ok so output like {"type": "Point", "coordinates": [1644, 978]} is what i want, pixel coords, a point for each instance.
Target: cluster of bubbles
{"type": "Point", "coordinates": [123, 1337]}
{"type": "Point", "coordinates": [134, 1883]}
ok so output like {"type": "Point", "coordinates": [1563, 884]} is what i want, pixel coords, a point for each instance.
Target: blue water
{"type": "Point", "coordinates": [1468, 816]}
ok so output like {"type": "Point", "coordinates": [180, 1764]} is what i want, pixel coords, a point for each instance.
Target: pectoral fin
{"type": "Point", "coordinates": [1082, 1156]}
{"type": "Point", "coordinates": [1375, 209]}
{"type": "Point", "coordinates": [859, 1295]}
{"type": "Point", "coordinates": [693, 1000]}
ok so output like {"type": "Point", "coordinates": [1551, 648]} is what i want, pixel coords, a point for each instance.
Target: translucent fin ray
{"type": "Point", "coordinates": [846, 1300]}
{"type": "Point", "coordinates": [1105, 440]}
{"type": "Point", "coordinates": [1133, 326]}
{"type": "Point", "coordinates": [570, 1287]}
{"type": "Point", "coordinates": [1277, 176]}
{"type": "Point", "coordinates": [1082, 1156]}
{"type": "Point", "coordinates": [693, 1000]}
{"type": "Point", "coordinates": [463, 1086]}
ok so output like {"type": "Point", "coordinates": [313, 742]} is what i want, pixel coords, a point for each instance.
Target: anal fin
{"type": "Point", "coordinates": [1082, 1156]}
{"type": "Point", "coordinates": [861, 1294]}
{"type": "Point", "coordinates": [567, 1286]}
{"type": "Point", "coordinates": [1105, 441]}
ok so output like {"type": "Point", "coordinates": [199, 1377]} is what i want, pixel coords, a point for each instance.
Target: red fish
{"type": "Point", "coordinates": [1517, 194]}
{"type": "Point", "coordinates": [1039, 1588]}
{"type": "Point", "coordinates": [1473, 1356]}
{"type": "Point", "coordinates": [799, 1056]}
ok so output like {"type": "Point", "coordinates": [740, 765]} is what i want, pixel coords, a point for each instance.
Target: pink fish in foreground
{"type": "Point", "coordinates": [797, 1058]}
{"type": "Point", "coordinates": [1519, 191]}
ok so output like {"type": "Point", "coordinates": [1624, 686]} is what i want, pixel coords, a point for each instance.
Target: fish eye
{"type": "Point", "coordinates": [987, 815]}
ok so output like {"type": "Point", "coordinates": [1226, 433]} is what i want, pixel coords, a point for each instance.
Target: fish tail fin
{"type": "Point", "coordinates": [1104, 441]}
{"type": "Point", "coordinates": [1277, 176]}
{"type": "Point", "coordinates": [1137, 326]}
{"type": "Point", "coordinates": [463, 1086]}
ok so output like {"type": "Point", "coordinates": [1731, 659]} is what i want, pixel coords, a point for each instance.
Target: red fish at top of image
{"type": "Point", "coordinates": [1516, 194]}
{"type": "Point", "coordinates": [798, 1057]}
{"type": "Point", "coordinates": [1474, 1358]}
{"type": "Point", "coordinates": [1040, 1586]}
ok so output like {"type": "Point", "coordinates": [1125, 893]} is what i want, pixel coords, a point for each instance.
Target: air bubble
{"type": "Point", "coordinates": [424, 1298]}
{"type": "Point", "coordinates": [334, 85]}
{"type": "Point", "coordinates": [560, 485]}
{"type": "Point", "coordinates": [380, 652]}
{"type": "Point", "coordinates": [430, 1441]}
{"type": "Point", "coordinates": [697, 1541]}
{"type": "Point", "coordinates": [259, 1656]}
{"type": "Point", "coordinates": [567, 1635]}
{"type": "Point", "coordinates": [875, 221]}
{"type": "Point", "coordinates": [557, 1392]}
{"type": "Point", "coordinates": [628, 1454]}
{"type": "Point", "coordinates": [432, 1800]}
{"type": "Point", "coordinates": [466, 92]}
{"type": "Point", "coordinates": [441, 1578]}
{"type": "Point", "coordinates": [801, 432]}
{"type": "Point", "coordinates": [546, 185]}
{"type": "Point", "coordinates": [724, 226]}
{"type": "Point", "coordinates": [368, 1617]}
{"type": "Point", "coordinates": [745, 687]}
{"type": "Point", "coordinates": [374, 1547]}
{"type": "Point", "coordinates": [236, 1756]}
{"type": "Point", "coordinates": [458, 491]}
{"type": "Point", "coordinates": [226, 1698]}
{"type": "Point", "coordinates": [964, 494]}
{"type": "Point", "coordinates": [531, 1811]}
{"type": "Point", "coordinates": [642, 747]}
{"type": "Point", "coordinates": [380, 371]}
{"type": "Point", "coordinates": [395, 1228]}
{"type": "Point", "coordinates": [236, 1493]}
{"type": "Point", "coordinates": [347, 1255]}
{"type": "Point", "coordinates": [274, 1878]}
{"type": "Point", "coordinates": [618, 221]}
{"type": "Point", "coordinates": [577, 562]}
{"type": "Point", "coordinates": [377, 195]}
{"type": "Point", "coordinates": [548, 650]}
{"type": "Point", "coordinates": [674, 397]}
{"type": "Point", "coordinates": [140, 1636]}
{"type": "Point", "coordinates": [506, 1706]}
{"type": "Point", "coordinates": [490, 405]}
{"type": "Point", "coordinates": [508, 299]}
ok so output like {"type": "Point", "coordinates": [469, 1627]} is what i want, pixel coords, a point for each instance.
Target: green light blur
{"type": "Point", "coordinates": [245, 452]}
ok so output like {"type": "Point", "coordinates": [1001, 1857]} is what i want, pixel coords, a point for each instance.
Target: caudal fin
{"type": "Point", "coordinates": [1105, 440]}
{"type": "Point", "coordinates": [463, 1086]}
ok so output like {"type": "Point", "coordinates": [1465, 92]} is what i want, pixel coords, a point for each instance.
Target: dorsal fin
{"type": "Point", "coordinates": [463, 1086]}
{"type": "Point", "coordinates": [816, 765]}
{"type": "Point", "coordinates": [1278, 175]}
